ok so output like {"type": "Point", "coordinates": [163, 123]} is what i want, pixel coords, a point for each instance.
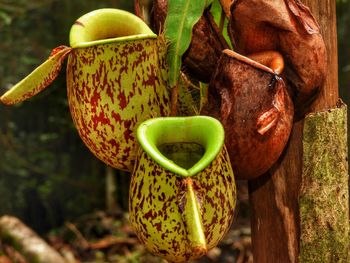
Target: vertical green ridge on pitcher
{"type": "Point", "coordinates": [180, 213]}
{"type": "Point", "coordinates": [192, 217]}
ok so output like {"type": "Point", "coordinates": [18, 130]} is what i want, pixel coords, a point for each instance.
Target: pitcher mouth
{"type": "Point", "coordinates": [205, 131]}
{"type": "Point", "coordinates": [107, 25]}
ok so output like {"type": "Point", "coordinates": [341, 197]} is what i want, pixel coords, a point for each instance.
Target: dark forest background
{"type": "Point", "coordinates": [47, 175]}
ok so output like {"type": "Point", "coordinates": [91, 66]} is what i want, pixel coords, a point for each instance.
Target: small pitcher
{"type": "Point", "coordinates": [182, 193]}
{"type": "Point", "coordinates": [115, 80]}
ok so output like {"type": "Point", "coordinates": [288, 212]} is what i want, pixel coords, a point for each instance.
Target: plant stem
{"type": "Point", "coordinates": [222, 20]}
{"type": "Point", "coordinates": [203, 95]}
{"type": "Point", "coordinates": [174, 99]}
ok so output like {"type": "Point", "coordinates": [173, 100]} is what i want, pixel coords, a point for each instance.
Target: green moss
{"type": "Point", "coordinates": [324, 198]}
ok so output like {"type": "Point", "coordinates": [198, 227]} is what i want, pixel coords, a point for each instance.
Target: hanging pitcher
{"type": "Point", "coordinates": [116, 78]}
{"type": "Point", "coordinates": [252, 102]}
{"type": "Point", "coordinates": [182, 195]}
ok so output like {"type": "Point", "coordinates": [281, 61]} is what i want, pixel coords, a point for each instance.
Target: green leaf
{"type": "Point", "coordinates": [209, 2]}
{"type": "Point", "coordinates": [182, 16]}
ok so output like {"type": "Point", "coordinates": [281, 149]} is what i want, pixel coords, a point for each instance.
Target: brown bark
{"type": "Point", "coordinates": [278, 199]}
{"type": "Point", "coordinates": [111, 188]}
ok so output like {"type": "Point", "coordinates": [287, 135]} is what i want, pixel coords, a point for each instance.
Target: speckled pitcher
{"type": "Point", "coordinates": [115, 79]}
{"type": "Point", "coordinates": [182, 193]}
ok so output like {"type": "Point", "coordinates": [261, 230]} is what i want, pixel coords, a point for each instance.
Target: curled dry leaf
{"type": "Point", "coordinates": [207, 42]}
{"type": "Point", "coordinates": [255, 109]}
{"type": "Point", "coordinates": [288, 27]}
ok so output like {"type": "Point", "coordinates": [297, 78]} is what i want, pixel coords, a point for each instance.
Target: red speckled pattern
{"type": "Point", "coordinates": [111, 89]}
{"type": "Point", "coordinates": [155, 205]}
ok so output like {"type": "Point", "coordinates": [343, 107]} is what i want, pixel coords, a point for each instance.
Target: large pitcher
{"type": "Point", "coordinates": [115, 80]}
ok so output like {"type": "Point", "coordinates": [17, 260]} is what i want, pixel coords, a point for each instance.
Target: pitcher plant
{"type": "Point", "coordinates": [116, 78]}
{"type": "Point", "coordinates": [252, 102]}
{"type": "Point", "coordinates": [182, 193]}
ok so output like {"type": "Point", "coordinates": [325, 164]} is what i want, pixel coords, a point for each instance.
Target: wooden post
{"type": "Point", "coordinates": [300, 207]}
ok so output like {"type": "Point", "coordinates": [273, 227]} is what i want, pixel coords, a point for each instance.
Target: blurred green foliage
{"type": "Point", "coordinates": [343, 25]}
{"type": "Point", "coordinates": [47, 175]}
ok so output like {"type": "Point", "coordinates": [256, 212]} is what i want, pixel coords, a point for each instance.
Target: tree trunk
{"type": "Point", "coordinates": [300, 207]}
{"type": "Point", "coordinates": [324, 197]}
{"type": "Point", "coordinates": [111, 187]}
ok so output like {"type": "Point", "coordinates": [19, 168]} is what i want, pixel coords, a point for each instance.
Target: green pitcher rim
{"type": "Point", "coordinates": [203, 130]}
{"type": "Point", "coordinates": [108, 25]}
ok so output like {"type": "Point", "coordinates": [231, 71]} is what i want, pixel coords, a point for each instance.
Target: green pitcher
{"type": "Point", "coordinates": [182, 193]}
{"type": "Point", "coordinates": [116, 78]}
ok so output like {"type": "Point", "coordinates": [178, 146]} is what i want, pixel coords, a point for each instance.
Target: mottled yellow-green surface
{"type": "Point", "coordinates": [324, 197]}
{"type": "Point", "coordinates": [158, 206]}
{"type": "Point", "coordinates": [111, 89]}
